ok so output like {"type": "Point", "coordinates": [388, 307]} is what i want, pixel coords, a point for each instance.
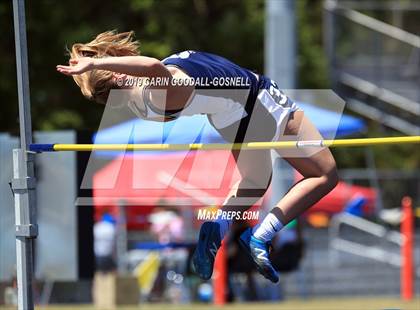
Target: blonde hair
{"type": "Point", "coordinates": [96, 84]}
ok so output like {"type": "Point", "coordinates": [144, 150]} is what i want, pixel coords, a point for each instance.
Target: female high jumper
{"type": "Point", "coordinates": [241, 105]}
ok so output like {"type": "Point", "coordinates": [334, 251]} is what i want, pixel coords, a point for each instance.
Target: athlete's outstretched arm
{"type": "Point", "coordinates": [130, 65]}
{"type": "Point", "coordinates": [138, 66]}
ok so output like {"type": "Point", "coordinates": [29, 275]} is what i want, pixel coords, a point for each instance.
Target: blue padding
{"type": "Point", "coordinates": [152, 245]}
{"type": "Point", "coordinates": [39, 148]}
{"type": "Point", "coordinates": [355, 205]}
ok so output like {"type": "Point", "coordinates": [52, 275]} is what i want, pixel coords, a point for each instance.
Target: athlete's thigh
{"type": "Point", "coordinates": [312, 161]}
{"type": "Point", "coordinates": [254, 166]}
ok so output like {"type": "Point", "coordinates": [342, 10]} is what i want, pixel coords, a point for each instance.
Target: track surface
{"type": "Point", "coordinates": [374, 303]}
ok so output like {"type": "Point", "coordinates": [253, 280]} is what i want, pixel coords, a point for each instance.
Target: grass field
{"type": "Point", "coordinates": [371, 303]}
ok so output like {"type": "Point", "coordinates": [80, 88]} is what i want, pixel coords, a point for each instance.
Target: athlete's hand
{"type": "Point", "coordinates": [77, 66]}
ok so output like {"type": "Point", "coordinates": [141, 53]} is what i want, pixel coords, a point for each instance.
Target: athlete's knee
{"type": "Point", "coordinates": [329, 173]}
{"type": "Point", "coordinates": [329, 180]}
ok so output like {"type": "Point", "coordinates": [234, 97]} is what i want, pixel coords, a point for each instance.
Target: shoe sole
{"type": "Point", "coordinates": [200, 256]}
{"type": "Point", "coordinates": [245, 247]}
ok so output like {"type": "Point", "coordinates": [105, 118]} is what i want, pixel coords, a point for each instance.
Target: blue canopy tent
{"type": "Point", "coordinates": [197, 129]}
{"type": "Point", "coordinates": [326, 121]}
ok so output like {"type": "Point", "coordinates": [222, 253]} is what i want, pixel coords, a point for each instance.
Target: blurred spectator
{"type": "Point", "coordinates": [239, 264]}
{"type": "Point", "coordinates": [167, 225]}
{"type": "Point", "coordinates": [104, 232]}
{"type": "Point", "coordinates": [286, 254]}
{"type": "Point", "coordinates": [287, 248]}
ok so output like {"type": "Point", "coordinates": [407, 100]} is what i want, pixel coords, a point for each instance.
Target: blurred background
{"type": "Point", "coordinates": [127, 246]}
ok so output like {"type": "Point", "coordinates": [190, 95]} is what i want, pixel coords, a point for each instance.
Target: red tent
{"type": "Point", "coordinates": [337, 199]}
{"type": "Point", "coordinates": [143, 181]}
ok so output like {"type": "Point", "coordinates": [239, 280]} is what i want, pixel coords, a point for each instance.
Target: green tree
{"type": "Point", "coordinates": [233, 28]}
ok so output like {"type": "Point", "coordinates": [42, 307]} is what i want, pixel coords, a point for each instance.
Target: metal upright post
{"type": "Point", "coordinates": [281, 42]}
{"type": "Point", "coordinates": [280, 65]}
{"type": "Point", "coordinates": [329, 33]}
{"type": "Point", "coordinates": [23, 182]}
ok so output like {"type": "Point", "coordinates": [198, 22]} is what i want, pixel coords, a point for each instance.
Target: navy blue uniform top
{"type": "Point", "coordinates": [228, 110]}
{"type": "Point", "coordinates": [201, 65]}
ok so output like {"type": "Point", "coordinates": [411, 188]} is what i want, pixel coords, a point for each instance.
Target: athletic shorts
{"type": "Point", "coordinates": [266, 117]}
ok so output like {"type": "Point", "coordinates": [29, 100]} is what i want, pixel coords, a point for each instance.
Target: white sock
{"type": "Point", "coordinates": [224, 226]}
{"type": "Point", "coordinates": [266, 230]}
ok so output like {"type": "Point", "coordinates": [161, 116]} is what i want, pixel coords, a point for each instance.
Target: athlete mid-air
{"type": "Point", "coordinates": [252, 110]}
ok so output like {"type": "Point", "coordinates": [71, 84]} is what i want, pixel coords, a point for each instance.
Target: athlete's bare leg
{"type": "Point", "coordinates": [318, 170]}
{"type": "Point", "coordinates": [255, 168]}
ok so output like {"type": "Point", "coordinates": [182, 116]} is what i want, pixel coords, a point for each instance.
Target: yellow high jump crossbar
{"type": "Point", "coordinates": [39, 148]}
